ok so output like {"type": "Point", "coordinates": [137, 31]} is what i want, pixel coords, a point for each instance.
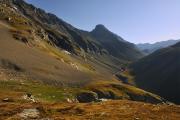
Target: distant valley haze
{"type": "Point", "coordinates": [137, 21]}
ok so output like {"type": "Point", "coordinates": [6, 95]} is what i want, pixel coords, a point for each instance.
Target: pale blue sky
{"type": "Point", "coordinates": [137, 21]}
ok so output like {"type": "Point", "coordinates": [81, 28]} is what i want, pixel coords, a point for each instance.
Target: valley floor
{"type": "Point", "coordinates": [109, 110]}
{"type": "Point", "coordinates": [51, 103]}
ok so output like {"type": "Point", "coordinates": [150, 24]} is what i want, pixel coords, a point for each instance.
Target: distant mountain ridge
{"type": "Point", "coordinates": [149, 48]}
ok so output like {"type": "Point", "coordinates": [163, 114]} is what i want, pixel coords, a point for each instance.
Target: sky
{"type": "Point", "coordinates": [137, 21]}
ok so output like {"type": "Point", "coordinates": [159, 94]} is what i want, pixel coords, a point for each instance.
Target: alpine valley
{"type": "Point", "coordinates": [50, 70]}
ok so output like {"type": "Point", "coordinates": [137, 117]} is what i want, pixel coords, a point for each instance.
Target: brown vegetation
{"type": "Point", "coordinates": [110, 110]}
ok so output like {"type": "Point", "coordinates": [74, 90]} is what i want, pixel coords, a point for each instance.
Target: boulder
{"type": "Point", "coordinates": [85, 97]}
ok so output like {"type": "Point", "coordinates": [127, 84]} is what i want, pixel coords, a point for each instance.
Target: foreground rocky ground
{"type": "Point", "coordinates": [109, 110]}
{"type": "Point", "coordinates": [25, 100]}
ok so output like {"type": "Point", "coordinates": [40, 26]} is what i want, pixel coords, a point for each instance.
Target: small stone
{"type": "Point", "coordinates": [102, 114]}
{"type": "Point", "coordinates": [69, 100]}
{"type": "Point", "coordinates": [137, 118]}
{"type": "Point", "coordinates": [30, 114]}
{"type": "Point", "coordinates": [7, 100]}
{"type": "Point", "coordinates": [8, 19]}
{"type": "Point", "coordinates": [29, 95]}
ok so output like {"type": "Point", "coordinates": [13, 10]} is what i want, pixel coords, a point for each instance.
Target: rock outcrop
{"type": "Point", "coordinates": [84, 97]}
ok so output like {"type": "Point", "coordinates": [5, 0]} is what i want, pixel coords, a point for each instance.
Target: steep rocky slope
{"type": "Point", "coordinates": [36, 63]}
{"type": "Point", "coordinates": [83, 52]}
{"type": "Point", "coordinates": [68, 37]}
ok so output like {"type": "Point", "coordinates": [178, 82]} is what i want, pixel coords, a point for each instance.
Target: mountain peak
{"type": "Point", "coordinates": [100, 27]}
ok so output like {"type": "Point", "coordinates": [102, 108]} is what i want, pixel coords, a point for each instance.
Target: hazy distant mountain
{"type": "Point", "coordinates": [148, 48]}
{"type": "Point", "coordinates": [159, 72]}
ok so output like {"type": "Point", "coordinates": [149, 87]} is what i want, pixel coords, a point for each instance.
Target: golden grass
{"type": "Point", "coordinates": [41, 92]}
{"type": "Point", "coordinates": [110, 110]}
{"type": "Point", "coordinates": [119, 89]}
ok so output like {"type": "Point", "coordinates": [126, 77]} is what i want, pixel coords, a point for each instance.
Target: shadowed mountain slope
{"type": "Point", "coordinates": [160, 73]}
